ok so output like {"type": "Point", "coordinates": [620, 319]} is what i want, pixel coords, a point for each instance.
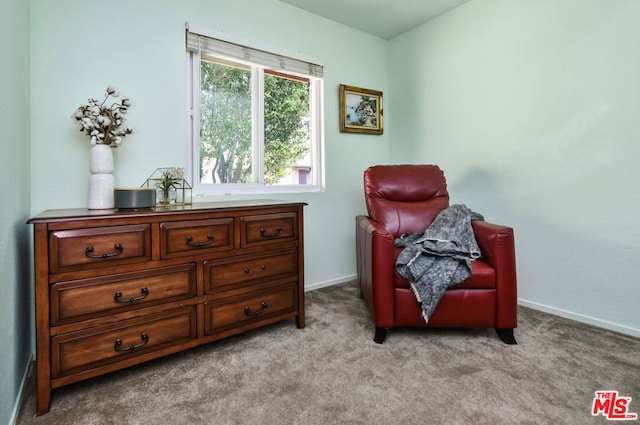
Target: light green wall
{"type": "Point", "coordinates": [531, 108]}
{"type": "Point", "coordinates": [79, 48]}
{"type": "Point", "coordinates": [527, 105]}
{"type": "Point", "coordinates": [15, 235]}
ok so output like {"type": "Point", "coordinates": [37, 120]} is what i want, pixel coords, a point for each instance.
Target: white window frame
{"type": "Point", "coordinates": [316, 131]}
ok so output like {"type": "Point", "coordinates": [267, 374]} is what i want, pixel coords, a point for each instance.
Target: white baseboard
{"type": "Point", "coordinates": [337, 281]}
{"type": "Point", "coordinates": [627, 330]}
{"type": "Point", "coordinates": [16, 407]}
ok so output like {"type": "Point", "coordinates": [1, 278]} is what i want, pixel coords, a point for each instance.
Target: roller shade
{"type": "Point", "coordinates": [220, 48]}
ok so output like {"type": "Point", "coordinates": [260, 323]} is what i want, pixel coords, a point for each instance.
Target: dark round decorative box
{"type": "Point", "coordinates": [143, 197]}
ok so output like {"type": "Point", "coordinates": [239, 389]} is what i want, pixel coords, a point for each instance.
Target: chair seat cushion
{"type": "Point", "coordinates": [483, 276]}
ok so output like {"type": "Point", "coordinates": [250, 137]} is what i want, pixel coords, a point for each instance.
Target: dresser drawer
{"type": "Point", "coordinates": [268, 228]}
{"type": "Point", "coordinates": [88, 298]}
{"type": "Point", "coordinates": [253, 308]}
{"type": "Point", "coordinates": [183, 238]}
{"type": "Point", "coordinates": [99, 247]}
{"type": "Point", "coordinates": [220, 275]}
{"type": "Point", "coordinates": [100, 346]}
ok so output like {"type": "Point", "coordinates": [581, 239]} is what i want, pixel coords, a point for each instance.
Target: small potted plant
{"type": "Point", "coordinates": [170, 179]}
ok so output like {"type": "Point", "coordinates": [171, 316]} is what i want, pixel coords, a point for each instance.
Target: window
{"type": "Point", "coordinates": [256, 120]}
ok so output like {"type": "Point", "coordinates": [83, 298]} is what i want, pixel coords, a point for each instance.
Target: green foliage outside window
{"type": "Point", "coordinates": [226, 149]}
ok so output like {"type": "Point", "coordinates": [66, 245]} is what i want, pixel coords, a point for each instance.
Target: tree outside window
{"type": "Point", "coordinates": [229, 145]}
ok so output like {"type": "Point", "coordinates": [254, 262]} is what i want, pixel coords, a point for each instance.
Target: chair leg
{"type": "Point", "coordinates": [506, 335]}
{"type": "Point", "coordinates": [381, 334]}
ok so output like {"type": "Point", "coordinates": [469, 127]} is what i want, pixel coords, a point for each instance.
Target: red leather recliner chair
{"type": "Point", "coordinates": [404, 199]}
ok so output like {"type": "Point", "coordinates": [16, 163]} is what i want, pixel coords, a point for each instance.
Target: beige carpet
{"type": "Point", "coordinates": [332, 372]}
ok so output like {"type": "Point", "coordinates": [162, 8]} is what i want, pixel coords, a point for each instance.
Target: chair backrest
{"type": "Point", "coordinates": [405, 198]}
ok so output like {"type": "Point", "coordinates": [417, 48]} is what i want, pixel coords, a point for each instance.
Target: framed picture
{"type": "Point", "coordinates": [360, 110]}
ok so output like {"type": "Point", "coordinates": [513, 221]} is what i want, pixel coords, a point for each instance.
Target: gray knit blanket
{"type": "Point", "coordinates": [439, 257]}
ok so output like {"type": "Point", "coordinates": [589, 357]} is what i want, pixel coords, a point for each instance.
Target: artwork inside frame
{"type": "Point", "coordinates": [360, 110]}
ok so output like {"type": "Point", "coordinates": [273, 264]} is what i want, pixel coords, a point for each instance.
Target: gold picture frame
{"type": "Point", "coordinates": [360, 110]}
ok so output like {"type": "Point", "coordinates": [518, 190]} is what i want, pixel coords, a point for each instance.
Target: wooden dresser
{"type": "Point", "coordinates": [117, 288]}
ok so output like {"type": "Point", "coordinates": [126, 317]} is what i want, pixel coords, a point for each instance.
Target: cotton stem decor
{"type": "Point", "coordinates": [102, 121]}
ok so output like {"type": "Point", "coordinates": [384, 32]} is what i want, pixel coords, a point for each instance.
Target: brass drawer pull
{"type": "Point", "coordinates": [264, 233]}
{"type": "Point", "coordinates": [118, 295]}
{"type": "Point", "coordinates": [118, 345]}
{"type": "Point", "coordinates": [248, 312]}
{"type": "Point", "coordinates": [90, 249]}
{"type": "Point", "coordinates": [190, 242]}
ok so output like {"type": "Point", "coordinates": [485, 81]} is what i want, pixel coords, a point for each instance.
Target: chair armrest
{"type": "Point", "coordinates": [497, 245]}
{"type": "Point", "coordinates": [375, 268]}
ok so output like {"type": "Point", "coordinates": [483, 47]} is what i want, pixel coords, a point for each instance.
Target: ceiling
{"type": "Point", "coordinates": [383, 18]}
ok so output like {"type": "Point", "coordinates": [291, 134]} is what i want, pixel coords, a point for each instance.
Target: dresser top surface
{"type": "Point", "coordinates": [199, 207]}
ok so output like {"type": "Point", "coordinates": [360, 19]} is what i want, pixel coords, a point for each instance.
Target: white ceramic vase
{"type": "Point", "coordinates": [101, 182]}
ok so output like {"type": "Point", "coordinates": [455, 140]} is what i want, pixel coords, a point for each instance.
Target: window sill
{"type": "Point", "coordinates": [248, 189]}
